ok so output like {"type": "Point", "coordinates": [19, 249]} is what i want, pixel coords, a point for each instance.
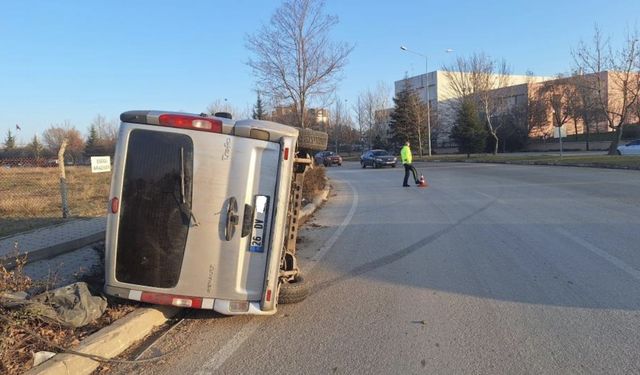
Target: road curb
{"type": "Point", "coordinates": [61, 248]}
{"type": "Point", "coordinates": [119, 336]}
{"type": "Point", "coordinates": [57, 249]}
{"type": "Point", "coordinates": [310, 208]}
{"type": "Point", "coordinates": [108, 342]}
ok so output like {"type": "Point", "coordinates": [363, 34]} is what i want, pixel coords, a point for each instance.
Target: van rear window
{"type": "Point", "coordinates": [155, 208]}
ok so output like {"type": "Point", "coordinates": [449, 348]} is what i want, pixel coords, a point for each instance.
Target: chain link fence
{"type": "Point", "coordinates": [30, 189]}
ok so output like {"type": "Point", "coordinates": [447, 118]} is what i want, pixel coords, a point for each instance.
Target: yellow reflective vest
{"type": "Point", "coordinates": [405, 154]}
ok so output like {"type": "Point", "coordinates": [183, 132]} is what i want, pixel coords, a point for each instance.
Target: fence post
{"type": "Point", "coordinates": [63, 179]}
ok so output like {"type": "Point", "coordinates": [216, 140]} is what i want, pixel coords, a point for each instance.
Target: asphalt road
{"type": "Point", "coordinates": [492, 269]}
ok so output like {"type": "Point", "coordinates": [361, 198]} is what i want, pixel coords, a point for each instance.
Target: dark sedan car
{"type": "Point", "coordinates": [377, 159]}
{"type": "Point", "coordinates": [328, 158]}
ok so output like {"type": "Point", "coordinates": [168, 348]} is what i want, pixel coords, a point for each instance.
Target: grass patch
{"type": "Point", "coordinates": [31, 196]}
{"type": "Point", "coordinates": [600, 161]}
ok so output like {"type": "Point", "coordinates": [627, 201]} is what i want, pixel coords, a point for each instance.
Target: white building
{"type": "Point", "coordinates": [442, 97]}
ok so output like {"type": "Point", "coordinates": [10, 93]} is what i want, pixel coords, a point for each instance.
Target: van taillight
{"type": "Point", "coordinates": [168, 299]}
{"type": "Point", "coordinates": [115, 205]}
{"type": "Point", "coordinates": [191, 122]}
{"type": "Point", "coordinates": [286, 153]}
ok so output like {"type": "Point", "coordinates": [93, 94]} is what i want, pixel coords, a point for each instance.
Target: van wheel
{"type": "Point", "coordinates": [309, 139]}
{"type": "Point", "coordinates": [293, 291]}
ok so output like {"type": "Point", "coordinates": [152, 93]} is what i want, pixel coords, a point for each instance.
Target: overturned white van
{"type": "Point", "coordinates": [202, 213]}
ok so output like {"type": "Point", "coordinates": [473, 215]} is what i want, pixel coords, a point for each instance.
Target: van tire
{"type": "Point", "coordinates": [293, 292]}
{"type": "Point", "coordinates": [309, 139]}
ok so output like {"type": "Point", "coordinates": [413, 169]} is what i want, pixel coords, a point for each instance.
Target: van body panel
{"type": "Point", "coordinates": [224, 175]}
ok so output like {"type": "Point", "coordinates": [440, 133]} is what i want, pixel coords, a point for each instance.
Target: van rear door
{"type": "Point", "coordinates": [155, 203]}
{"type": "Point", "coordinates": [196, 212]}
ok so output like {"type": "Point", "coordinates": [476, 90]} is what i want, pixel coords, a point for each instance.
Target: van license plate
{"type": "Point", "coordinates": [260, 219]}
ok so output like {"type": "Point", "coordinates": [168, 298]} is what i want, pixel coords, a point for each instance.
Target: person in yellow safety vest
{"type": "Point", "coordinates": [407, 158]}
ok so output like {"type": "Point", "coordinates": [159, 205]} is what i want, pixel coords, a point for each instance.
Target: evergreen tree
{"type": "Point", "coordinates": [468, 131]}
{"type": "Point", "coordinates": [35, 147]}
{"type": "Point", "coordinates": [405, 118]}
{"type": "Point", "coordinates": [91, 146]}
{"type": "Point", "coordinates": [9, 141]}
{"type": "Point", "coordinates": [258, 109]}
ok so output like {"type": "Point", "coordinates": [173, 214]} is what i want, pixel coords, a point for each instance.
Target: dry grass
{"type": "Point", "coordinates": [30, 196]}
{"type": "Point", "coordinates": [314, 181]}
{"type": "Point", "coordinates": [18, 346]}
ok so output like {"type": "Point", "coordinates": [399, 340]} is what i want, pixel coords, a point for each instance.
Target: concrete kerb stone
{"type": "Point", "coordinates": [57, 249]}
{"type": "Point", "coordinates": [118, 337]}
{"type": "Point", "coordinates": [108, 342]}
{"type": "Point", "coordinates": [48, 242]}
{"type": "Point", "coordinates": [310, 208]}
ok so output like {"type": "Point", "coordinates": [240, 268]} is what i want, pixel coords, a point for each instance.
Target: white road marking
{"type": "Point", "coordinates": [230, 347]}
{"type": "Point", "coordinates": [484, 195]}
{"type": "Point", "coordinates": [253, 324]}
{"type": "Point", "coordinates": [327, 245]}
{"type": "Point", "coordinates": [603, 254]}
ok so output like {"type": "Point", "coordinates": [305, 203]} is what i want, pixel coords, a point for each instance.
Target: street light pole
{"type": "Point", "coordinates": [426, 65]}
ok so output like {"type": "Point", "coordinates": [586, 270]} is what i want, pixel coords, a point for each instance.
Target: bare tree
{"type": "Point", "coordinates": [616, 80]}
{"type": "Point", "coordinates": [56, 134]}
{"type": "Point", "coordinates": [103, 141]}
{"type": "Point", "coordinates": [584, 105]}
{"type": "Point", "coordinates": [560, 97]}
{"type": "Point", "coordinates": [475, 77]}
{"type": "Point", "coordinates": [340, 125]}
{"type": "Point", "coordinates": [371, 109]}
{"type": "Point", "coordinates": [294, 60]}
{"type": "Point", "coordinates": [220, 105]}
{"type": "Point", "coordinates": [538, 115]}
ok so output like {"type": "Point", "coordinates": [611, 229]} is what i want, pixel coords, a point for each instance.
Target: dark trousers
{"type": "Point", "coordinates": [409, 168]}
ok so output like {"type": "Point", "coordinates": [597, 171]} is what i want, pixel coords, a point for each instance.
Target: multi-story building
{"type": "Point", "coordinates": [442, 96]}
{"type": "Point", "coordinates": [567, 103]}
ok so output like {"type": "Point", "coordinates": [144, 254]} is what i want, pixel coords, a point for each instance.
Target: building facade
{"type": "Point", "coordinates": [316, 117]}
{"type": "Point", "coordinates": [443, 96]}
{"type": "Point", "coordinates": [569, 105]}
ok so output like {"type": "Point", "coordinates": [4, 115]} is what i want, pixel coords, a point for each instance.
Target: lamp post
{"type": "Point", "coordinates": [556, 121]}
{"type": "Point", "coordinates": [426, 87]}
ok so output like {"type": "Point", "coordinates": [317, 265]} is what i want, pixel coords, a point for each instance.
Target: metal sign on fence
{"type": "Point", "coordinates": [100, 164]}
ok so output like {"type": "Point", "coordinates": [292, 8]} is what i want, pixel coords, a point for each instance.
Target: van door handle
{"type": "Point", "coordinates": [232, 219]}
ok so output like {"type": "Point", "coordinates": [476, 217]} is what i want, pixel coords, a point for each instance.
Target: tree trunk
{"type": "Point", "coordinates": [495, 147]}
{"type": "Point", "coordinates": [613, 148]}
{"type": "Point", "coordinates": [587, 132]}
{"type": "Point", "coordinates": [575, 127]}
{"type": "Point", "coordinates": [420, 141]}
{"type": "Point", "coordinates": [301, 114]}
{"type": "Point", "coordinates": [491, 129]}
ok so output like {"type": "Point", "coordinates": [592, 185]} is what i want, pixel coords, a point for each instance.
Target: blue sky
{"type": "Point", "coordinates": [71, 60]}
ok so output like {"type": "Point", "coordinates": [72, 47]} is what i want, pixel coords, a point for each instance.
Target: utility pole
{"type": "Point", "coordinates": [426, 87]}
